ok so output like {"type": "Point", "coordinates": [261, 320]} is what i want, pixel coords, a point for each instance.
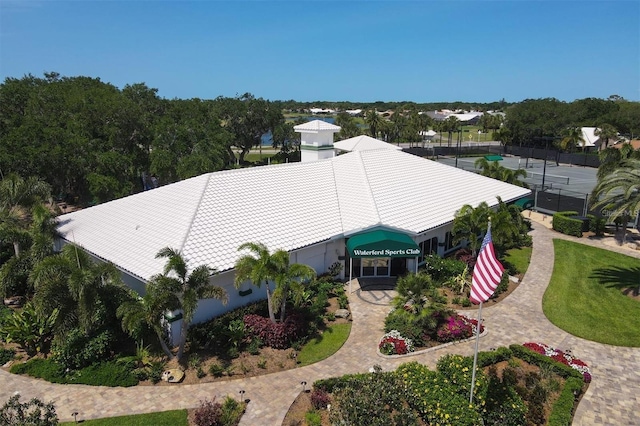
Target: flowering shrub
{"type": "Point", "coordinates": [393, 343]}
{"type": "Point", "coordinates": [441, 398]}
{"type": "Point", "coordinates": [278, 335]}
{"type": "Point", "coordinates": [320, 399]}
{"type": "Point", "coordinates": [561, 357]}
{"type": "Point", "coordinates": [457, 327]}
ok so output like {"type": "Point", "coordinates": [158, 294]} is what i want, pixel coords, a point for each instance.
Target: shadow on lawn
{"type": "Point", "coordinates": [625, 279]}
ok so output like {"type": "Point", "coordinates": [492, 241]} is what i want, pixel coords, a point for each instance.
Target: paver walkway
{"type": "Point", "coordinates": [612, 398]}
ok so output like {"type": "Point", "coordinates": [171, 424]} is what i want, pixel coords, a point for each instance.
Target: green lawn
{"type": "Point", "coordinates": [164, 418]}
{"type": "Point", "coordinates": [324, 345]}
{"type": "Point", "coordinates": [585, 296]}
{"type": "Point", "coordinates": [519, 258]}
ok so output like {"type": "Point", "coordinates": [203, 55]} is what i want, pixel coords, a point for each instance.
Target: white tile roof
{"type": "Point", "coordinates": [285, 206]}
{"type": "Point", "coordinates": [362, 143]}
{"type": "Point", "coordinates": [316, 126]}
{"type": "Point", "coordinates": [589, 136]}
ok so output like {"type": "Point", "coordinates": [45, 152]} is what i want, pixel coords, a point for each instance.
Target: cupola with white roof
{"type": "Point", "coordinates": [316, 140]}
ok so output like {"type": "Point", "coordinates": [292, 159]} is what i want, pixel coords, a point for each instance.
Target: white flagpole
{"type": "Point", "coordinates": [475, 355]}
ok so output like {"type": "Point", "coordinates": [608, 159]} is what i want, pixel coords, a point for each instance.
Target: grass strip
{"type": "Point", "coordinates": [325, 344]}
{"type": "Point", "coordinates": [163, 418]}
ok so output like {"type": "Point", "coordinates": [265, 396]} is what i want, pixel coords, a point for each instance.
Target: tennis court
{"type": "Point", "coordinates": [566, 187]}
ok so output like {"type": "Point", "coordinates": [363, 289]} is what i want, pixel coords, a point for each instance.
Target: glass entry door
{"type": "Point", "coordinates": [375, 267]}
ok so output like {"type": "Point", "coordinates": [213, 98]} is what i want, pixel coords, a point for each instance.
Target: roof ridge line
{"type": "Point", "coordinates": [335, 190]}
{"type": "Point", "coordinates": [195, 212]}
{"type": "Point", "coordinates": [366, 178]}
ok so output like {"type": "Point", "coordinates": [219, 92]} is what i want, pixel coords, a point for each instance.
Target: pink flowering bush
{"type": "Point", "coordinates": [457, 327]}
{"type": "Point", "coordinates": [393, 343]}
{"type": "Point", "coordinates": [562, 357]}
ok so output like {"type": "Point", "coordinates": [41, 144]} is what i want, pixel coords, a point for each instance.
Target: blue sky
{"type": "Point", "coordinates": [361, 51]}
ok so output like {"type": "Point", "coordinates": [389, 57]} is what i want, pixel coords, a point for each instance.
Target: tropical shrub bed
{"type": "Point", "coordinates": [514, 386]}
{"type": "Point", "coordinates": [109, 373]}
{"type": "Point", "coordinates": [421, 316]}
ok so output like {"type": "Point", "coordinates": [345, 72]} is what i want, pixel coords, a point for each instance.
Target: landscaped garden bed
{"type": "Point", "coordinates": [514, 386]}
{"type": "Point", "coordinates": [221, 349]}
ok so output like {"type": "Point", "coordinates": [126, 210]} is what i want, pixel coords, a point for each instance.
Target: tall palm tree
{"type": "Point", "coordinates": [374, 121]}
{"type": "Point", "coordinates": [605, 132]}
{"type": "Point", "coordinates": [183, 288]}
{"type": "Point", "coordinates": [452, 124]}
{"type": "Point", "coordinates": [470, 223]}
{"type": "Point", "coordinates": [141, 312]}
{"type": "Point", "coordinates": [619, 192]}
{"type": "Point", "coordinates": [258, 267]}
{"type": "Point", "coordinates": [288, 280]}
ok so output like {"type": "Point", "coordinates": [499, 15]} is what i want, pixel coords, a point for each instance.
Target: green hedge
{"type": "Point", "coordinates": [562, 410]}
{"type": "Point", "coordinates": [566, 225]}
{"type": "Point", "coordinates": [488, 358]}
{"type": "Point", "coordinates": [535, 358]}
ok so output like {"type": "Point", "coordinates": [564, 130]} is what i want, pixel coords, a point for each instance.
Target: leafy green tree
{"type": "Point", "coordinates": [185, 288]}
{"type": "Point", "coordinates": [248, 118]}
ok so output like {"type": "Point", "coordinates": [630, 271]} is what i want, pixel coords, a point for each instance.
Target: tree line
{"type": "Point", "coordinates": [93, 142]}
{"type": "Point", "coordinates": [90, 140]}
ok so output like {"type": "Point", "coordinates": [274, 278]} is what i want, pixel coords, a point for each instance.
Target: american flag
{"type": "Point", "coordinates": [487, 273]}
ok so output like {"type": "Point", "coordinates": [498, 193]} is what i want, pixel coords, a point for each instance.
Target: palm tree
{"type": "Point", "coordinates": [452, 124]}
{"type": "Point", "coordinates": [470, 223]}
{"type": "Point", "coordinates": [288, 280]}
{"type": "Point", "coordinates": [147, 311]}
{"type": "Point", "coordinates": [74, 283]}
{"type": "Point", "coordinates": [183, 289]}
{"type": "Point", "coordinates": [619, 192]}
{"type": "Point", "coordinates": [508, 226]}
{"type": "Point", "coordinates": [496, 171]}
{"type": "Point", "coordinates": [503, 135]}
{"type": "Point", "coordinates": [374, 121]}
{"type": "Point", "coordinates": [258, 267]}
{"type": "Point", "coordinates": [16, 192]}
{"type": "Point", "coordinates": [573, 139]}
{"type": "Point", "coordinates": [605, 132]}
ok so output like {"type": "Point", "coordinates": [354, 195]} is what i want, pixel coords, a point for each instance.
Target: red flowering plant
{"type": "Point", "coordinates": [457, 327]}
{"type": "Point", "coordinates": [562, 357]}
{"type": "Point", "coordinates": [393, 343]}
